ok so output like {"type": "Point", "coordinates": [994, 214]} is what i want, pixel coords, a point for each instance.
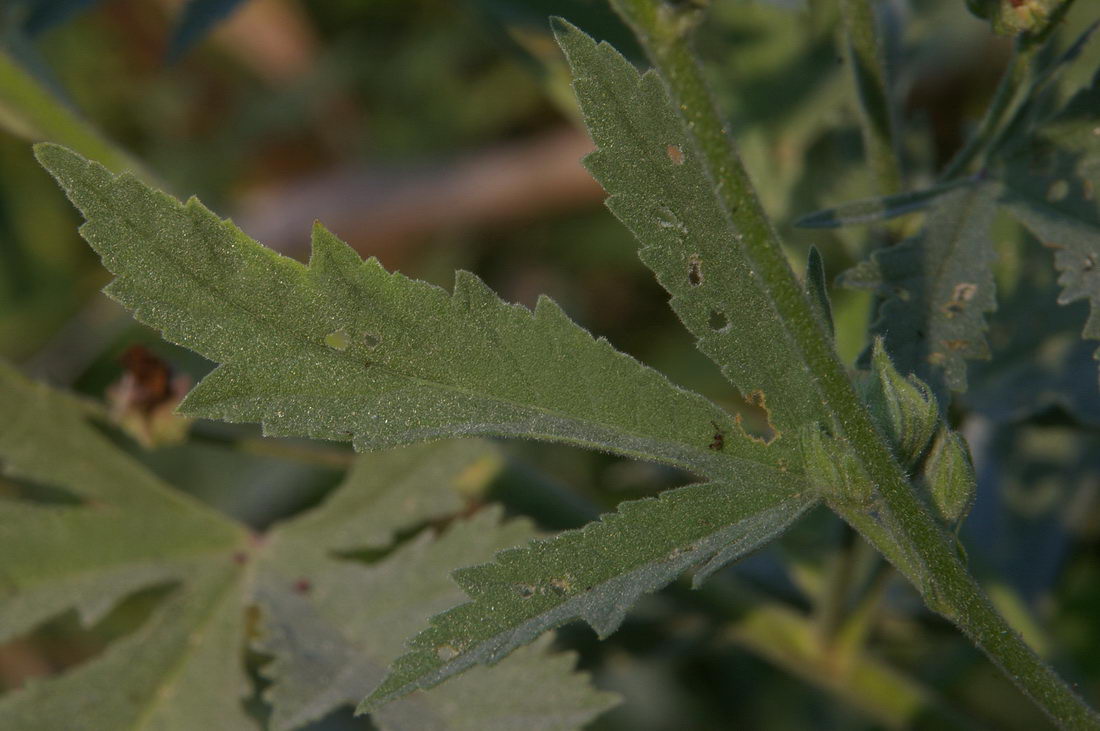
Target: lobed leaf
{"type": "Point", "coordinates": [937, 288]}
{"type": "Point", "coordinates": [595, 573]}
{"type": "Point", "coordinates": [342, 349]}
{"type": "Point", "coordinates": [330, 620]}
{"type": "Point", "coordinates": [1051, 190]}
{"type": "Point", "coordinates": [128, 531]}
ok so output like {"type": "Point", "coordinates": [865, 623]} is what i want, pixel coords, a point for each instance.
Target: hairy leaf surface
{"type": "Point", "coordinates": [937, 286]}
{"type": "Point", "coordinates": [331, 623]}
{"type": "Point", "coordinates": [660, 188]}
{"type": "Point", "coordinates": [342, 349]}
{"type": "Point", "coordinates": [595, 573]}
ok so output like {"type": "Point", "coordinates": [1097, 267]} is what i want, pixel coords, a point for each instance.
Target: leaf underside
{"type": "Point", "coordinates": [595, 573]}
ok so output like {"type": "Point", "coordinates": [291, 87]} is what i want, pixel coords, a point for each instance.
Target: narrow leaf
{"type": "Point", "coordinates": [661, 188]}
{"type": "Point", "coordinates": [817, 290]}
{"type": "Point", "coordinates": [595, 574]}
{"type": "Point", "coordinates": [937, 288]}
{"type": "Point", "coordinates": [870, 210]}
{"type": "Point", "coordinates": [342, 349]}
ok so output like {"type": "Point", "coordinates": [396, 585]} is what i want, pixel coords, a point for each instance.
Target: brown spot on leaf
{"type": "Point", "coordinates": [956, 344]}
{"type": "Point", "coordinates": [675, 154]}
{"type": "Point", "coordinates": [303, 586]}
{"type": "Point", "coordinates": [963, 293]}
{"type": "Point", "coordinates": [695, 270]}
{"type": "Point", "coordinates": [719, 441]}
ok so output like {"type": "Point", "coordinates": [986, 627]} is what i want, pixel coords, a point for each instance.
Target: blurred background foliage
{"type": "Point", "coordinates": [438, 135]}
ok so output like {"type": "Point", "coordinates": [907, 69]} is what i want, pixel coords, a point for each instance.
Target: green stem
{"type": "Point", "coordinates": [865, 58]}
{"type": "Point", "coordinates": [942, 579]}
{"type": "Point", "coordinates": [1008, 94]}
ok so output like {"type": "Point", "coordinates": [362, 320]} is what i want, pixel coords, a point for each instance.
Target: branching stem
{"type": "Point", "coordinates": [936, 570]}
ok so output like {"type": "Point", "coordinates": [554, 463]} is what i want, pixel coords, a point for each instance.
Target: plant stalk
{"type": "Point", "coordinates": [865, 58]}
{"type": "Point", "coordinates": [1009, 91]}
{"type": "Point", "coordinates": [944, 582]}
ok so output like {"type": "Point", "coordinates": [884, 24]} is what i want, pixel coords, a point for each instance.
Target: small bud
{"type": "Point", "coordinates": [949, 475]}
{"type": "Point", "coordinates": [833, 469]}
{"type": "Point", "coordinates": [1012, 17]}
{"type": "Point", "coordinates": [904, 408]}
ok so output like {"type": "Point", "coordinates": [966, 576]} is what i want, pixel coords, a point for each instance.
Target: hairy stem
{"type": "Point", "coordinates": [944, 582]}
{"type": "Point", "coordinates": [865, 58]}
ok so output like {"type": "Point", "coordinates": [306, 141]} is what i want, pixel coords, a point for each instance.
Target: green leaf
{"type": "Point", "coordinates": [31, 111]}
{"type": "Point", "coordinates": [661, 189]}
{"type": "Point", "coordinates": [342, 349]}
{"type": "Point", "coordinates": [86, 556]}
{"type": "Point", "coordinates": [817, 290]}
{"type": "Point", "coordinates": [331, 623]}
{"type": "Point", "coordinates": [1051, 190]}
{"type": "Point", "coordinates": [595, 573]}
{"type": "Point", "coordinates": [937, 288]}
{"type": "Point", "coordinates": [879, 209]}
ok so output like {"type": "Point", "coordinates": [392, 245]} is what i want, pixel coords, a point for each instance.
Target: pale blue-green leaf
{"type": "Point", "coordinates": [937, 288]}
{"type": "Point", "coordinates": [342, 349]}
{"type": "Point", "coordinates": [1051, 188]}
{"type": "Point", "coordinates": [331, 643]}
{"type": "Point", "coordinates": [595, 573]}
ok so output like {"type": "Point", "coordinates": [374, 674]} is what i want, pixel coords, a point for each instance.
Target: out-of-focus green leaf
{"type": "Point", "coordinates": [879, 209]}
{"type": "Point", "coordinates": [1052, 190]}
{"type": "Point", "coordinates": [342, 349]}
{"type": "Point", "coordinates": [331, 623]}
{"type": "Point", "coordinates": [130, 532]}
{"type": "Point", "coordinates": [937, 288]}
{"type": "Point", "coordinates": [29, 110]}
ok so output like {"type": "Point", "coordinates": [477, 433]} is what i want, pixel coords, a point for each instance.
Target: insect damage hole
{"type": "Point", "coordinates": [372, 341]}
{"type": "Point", "coordinates": [755, 418]}
{"type": "Point", "coordinates": [717, 320]}
{"type": "Point", "coordinates": [675, 154]}
{"type": "Point", "coordinates": [695, 270]}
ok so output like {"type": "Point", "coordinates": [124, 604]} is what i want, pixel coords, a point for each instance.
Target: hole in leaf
{"type": "Point", "coordinates": [695, 271]}
{"type": "Point", "coordinates": [755, 419]}
{"type": "Point", "coordinates": [717, 320]}
{"type": "Point", "coordinates": [338, 340]}
{"type": "Point", "coordinates": [675, 154]}
{"type": "Point", "coordinates": [372, 341]}
{"type": "Point", "coordinates": [446, 653]}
